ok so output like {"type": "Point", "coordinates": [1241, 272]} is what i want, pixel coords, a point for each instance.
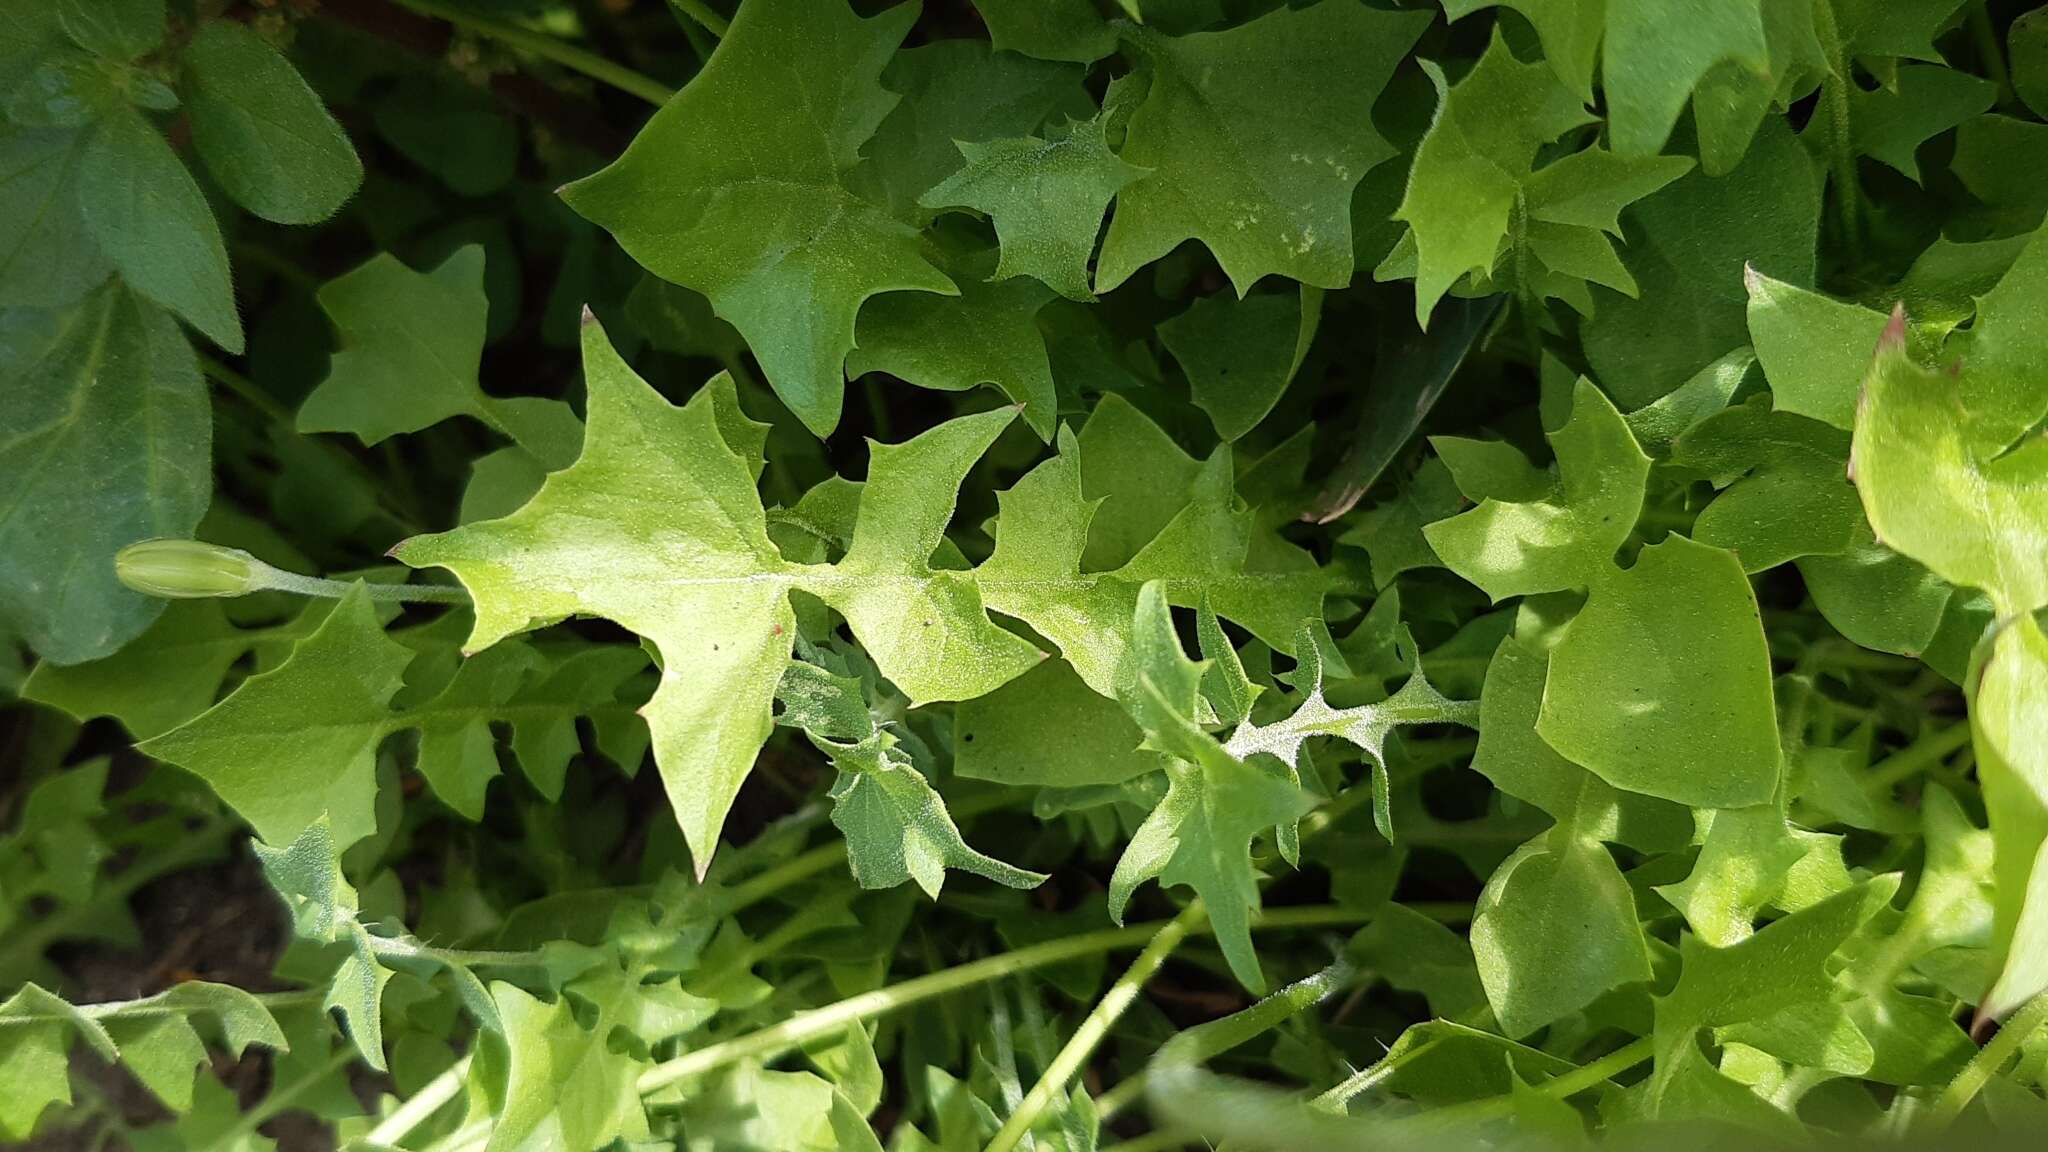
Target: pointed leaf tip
{"type": "Point", "coordinates": [1893, 339]}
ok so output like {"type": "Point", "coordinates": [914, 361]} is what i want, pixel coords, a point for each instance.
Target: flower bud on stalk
{"type": "Point", "coordinates": [188, 569]}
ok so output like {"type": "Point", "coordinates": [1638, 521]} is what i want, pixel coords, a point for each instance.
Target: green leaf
{"type": "Point", "coordinates": [170, 673]}
{"type": "Point", "coordinates": [2026, 41]}
{"type": "Point", "coordinates": [1649, 73]}
{"type": "Point", "coordinates": [300, 742]}
{"type": "Point", "coordinates": [957, 92]}
{"type": "Point", "coordinates": [1048, 729]}
{"type": "Point", "coordinates": [1567, 539]}
{"type": "Point", "coordinates": [262, 132]}
{"type": "Point", "coordinates": [1048, 29]}
{"type": "Point", "coordinates": [1209, 548]}
{"type": "Point", "coordinates": [738, 189]}
{"type": "Point", "coordinates": [1470, 170]}
{"type": "Point", "coordinates": [411, 344]}
{"type": "Point", "coordinates": [1255, 137]}
{"type": "Point", "coordinates": [146, 213]}
{"type": "Point", "coordinates": [1781, 967]}
{"type": "Point", "coordinates": [564, 1086]}
{"type": "Point", "coordinates": [152, 1037]}
{"type": "Point", "coordinates": [325, 909]}
{"type": "Point", "coordinates": [47, 255]}
{"type": "Point", "coordinates": [1046, 196]}
{"type": "Point", "coordinates": [1240, 355]}
{"type": "Point", "coordinates": [695, 573]}
{"type": "Point", "coordinates": [1554, 930]}
{"type": "Point", "coordinates": [1394, 531]}
{"type": "Point", "coordinates": [896, 826]}
{"type": "Point", "coordinates": [1890, 123]}
{"type": "Point", "coordinates": [988, 334]}
{"type": "Point", "coordinates": [1690, 722]}
{"type": "Point", "coordinates": [1813, 350]}
{"type": "Point", "coordinates": [452, 129]}
{"type": "Point", "coordinates": [1688, 245]}
{"type": "Point", "coordinates": [1742, 866]}
{"type": "Point", "coordinates": [122, 29]}
{"type": "Point", "coordinates": [1521, 764]}
{"type": "Point", "coordinates": [1200, 834]}
{"type": "Point", "coordinates": [108, 443]}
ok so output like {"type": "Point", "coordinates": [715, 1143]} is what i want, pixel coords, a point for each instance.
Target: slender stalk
{"type": "Point", "coordinates": [780, 1038]}
{"type": "Point", "coordinates": [1559, 1087]}
{"type": "Point", "coordinates": [1081, 1045]}
{"type": "Point", "coordinates": [279, 1100]}
{"type": "Point", "coordinates": [1988, 51]}
{"type": "Point", "coordinates": [1834, 97]}
{"type": "Point", "coordinates": [701, 12]}
{"type": "Point", "coordinates": [245, 390]}
{"type": "Point", "coordinates": [1989, 1059]}
{"type": "Point", "coordinates": [1917, 757]}
{"type": "Point", "coordinates": [547, 48]}
{"type": "Point", "coordinates": [335, 589]}
{"type": "Point", "coordinates": [421, 1105]}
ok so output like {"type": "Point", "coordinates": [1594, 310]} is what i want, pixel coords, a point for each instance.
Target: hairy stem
{"type": "Point", "coordinates": [1989, 1059]}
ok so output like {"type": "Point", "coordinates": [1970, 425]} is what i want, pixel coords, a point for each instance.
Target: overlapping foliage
{"type": "Point", "coordinates": [1518, 528]}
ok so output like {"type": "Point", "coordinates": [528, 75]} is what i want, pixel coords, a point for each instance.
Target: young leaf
{"type": "Point", "coordinates": [1046, 197]}
{"type": "Point", "coordinates": [1693, 723]}
{"type": "Point", "coordinates": [988, 334]}
{"type": "Point", "coordinates": [262, 132]}
{"type": "Point", "coordinates": [299, 743]}
{"type": "Point", "coordinates": [411, 343]}
{"type": "Point", "coordinates": [1240, 355]}
{"type": "Point", "coordinates": [695, 573]}
{"type": "Point", "coordinates": [1471, 166]}
{"type": "Point", "coordinates": [738, 189]}
{"type": "Point", "coordinates": [1255, 137]}
{"type": "Point", "coordinates": [1568, 539]}
{"type": "Point", "coordinates": [1200, 834]}
{"type": "Point", "coordinates": [896, 826]}
{"type": "Point", "coordinates": [108, 443]}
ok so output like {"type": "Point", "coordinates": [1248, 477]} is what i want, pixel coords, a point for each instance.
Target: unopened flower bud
{"type": "Point", "coordinates": [186, 569]}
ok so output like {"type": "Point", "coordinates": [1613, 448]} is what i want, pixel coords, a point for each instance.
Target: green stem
{"type": "Point", "coordinates": [279, 1100]}
{"type": "Point", "coordinates": [1991, 56]}
{"type": "Point", "coordinates": [1917, 757]}
{"type": "Point", "coordinates": [418, 1107]}
{"type": "Point", "coordinates": [2021, 1028]}
{"type": "Point", "coordinates": [1834, 95]}
{"type": "Point", "coordinates": [1081, 1045]}
{"type": "Point", "coordinates": [293, 582]}
{"type": "Point", "coordinates": [780, 1038]}
{"type": "Point", "coordinates": [546, 47]}
{"type": "Point", "coordinates": [1557, 1088]}
{"type": "Point", "coordinates": [245, 390]}
{"type": "Point", "coordinates": [701, 12]}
